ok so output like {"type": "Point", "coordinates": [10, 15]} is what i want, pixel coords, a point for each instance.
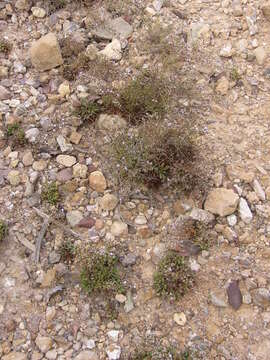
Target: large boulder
{"type": "Point", "coordinates": [45, 53]}
{"type": "Point", "coordinates": [221, 202]}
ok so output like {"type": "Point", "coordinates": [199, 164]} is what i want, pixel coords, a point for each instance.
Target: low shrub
{"type": "Point", "coordinates": [100, 274]}
{"type": "Point", "coordinates": [3, 230]}
{"type": "Point", "coordinates": [173, 277]}
{"type": "Point", "coordinates": [154, 155]}
{"type": "Point", "coordinates": [50, 193]}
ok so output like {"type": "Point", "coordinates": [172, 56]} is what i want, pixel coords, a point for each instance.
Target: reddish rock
{"type": "Point", "coordinates": [64, 175]}
{"type": "Point", "coordinates": [87, 222]}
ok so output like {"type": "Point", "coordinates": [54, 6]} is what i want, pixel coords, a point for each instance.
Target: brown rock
{"type": "Point", "coordinates": [64, 175]}
{"type": "Point", "coordinates": [97, 181]}
{"type": "Point", "coordinates": [221, 202]}
{"type": "Point", "coordinates": [266, 11]}
{"type": "Point", "coordinates": [45, 53]}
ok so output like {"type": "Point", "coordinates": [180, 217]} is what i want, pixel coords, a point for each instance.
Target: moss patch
{"type": "Point", "coordinates": [3, 230]}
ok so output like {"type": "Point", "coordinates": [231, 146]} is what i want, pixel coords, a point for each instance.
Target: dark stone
{"type": "Point", "coordinates": [234, 295]}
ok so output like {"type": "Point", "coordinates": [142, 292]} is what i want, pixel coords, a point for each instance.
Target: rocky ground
{"type": "Point", "coordinates": [222, 49]}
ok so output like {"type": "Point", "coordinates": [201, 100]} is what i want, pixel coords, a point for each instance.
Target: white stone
{"type": "Point", "coordinates": [112, 51]}
{"type": "Point", "coordinates": [244, 211]}
{"type": "Point", "coordinates": [74, 217]}
{"type": "Point", "coordinates": [38, 12]}
{"type": "Point", "coordinates": [113, 352]}
{"type": "Point", "coordinates": [62, 142]}
{"type": "Point", "coordinates": [259, 190]}
{"type": "Point", "coordinates": [232, 220]}
{"type": "Point", "coordinates": [113, 335]}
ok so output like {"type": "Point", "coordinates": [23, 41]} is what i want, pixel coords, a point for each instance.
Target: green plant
{"type": "Point", "coordinates": [5, 46]}
{"type": "Point", "coordinates": [3, 230]}
{"type": "Point", "coordinates": [154, 155]}
{"type": "Point", "coordinates": [68, 250]}
{"type": "Point", "coordinates": [16, 133]}
{"type": "Point", "coordinates": [88, 110]}
{"type": "Point", "coordinates": [50, 193]}
{"type": "Point", "coordinates": [173, 276]}
{"type": "Point", "coordinates": [144, 96]}
{"type": "Point", "coordinates": [234, 75]}
{"type": "Point", "coordinates": [100, 273]}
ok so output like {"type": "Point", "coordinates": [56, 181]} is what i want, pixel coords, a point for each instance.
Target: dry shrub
{"type": "Point", "coordinates": [154, 154]}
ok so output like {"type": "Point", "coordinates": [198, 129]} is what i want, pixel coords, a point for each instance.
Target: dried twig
{"type": "Point", "coordinates": [40, 238]}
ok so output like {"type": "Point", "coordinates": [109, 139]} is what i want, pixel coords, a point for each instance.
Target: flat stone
{"type": "Point", "coordinates": [14, 177]}
{"type": "Point", "coordinates": [87, 355]}
{"type": "Point", "coordinates": [266, 10]}
{"type": "Point", "coordinates": [221, 202]}
{"type": "Point", "coordinates": [260, 55]}
{"type": "Point", "coordinates": [111, 122]}
{"type": "Point", "coordinates": [4, 93]}
{"type": "Point", "coordinates": [119, 228]}
{"type": "Point", "coordinates": [261, 297]}
{"type": "Point", "coordinates": [44, 343]}
{"type": "Point", "coordinates": [222, 85]}
{"type": "Point", "coordinates": [218, 298]}
{"type": "Point", "coordinates": [201, 215]}
{"type": "Point", "coordinates": [45, 53]}
{"type": "Point", "coordinates": [235, 171]}
{"type": "Point", "coordinates": [63, 144]}
{"type": "Point", "coordinates": [64, 175]}
{"type": "Point", "coordinates": [15, 356]}
{"type": "Point", "coordinates": [51, 354]}
{"type": "Point", "coordinates": [80, 171]}
{"type": "Point", "coordinates": [64, 89]}
{"type": "Point", "coordinates": [66, 160]}
{"type": "Point", "coordinates": [120, 298]}
{"type": "Point", "coordinates": [97, 181]}
{"type": "Point", "coordinates": [108, 202]}
{"type": "Point", "coordinates": [244, 211]}
{"type": "Point", "coordinates": [120, 28]}
{"type": "Point", "coordinates": [74, 217]}
{"type": "Point", "coordinates": [28, 158]}
{"type": "Point", "coordinates": [113, 335]}
{"type": "Point", "coordinates": [38, 12]}
{"type": "Point", "coordinates": [39, 165]}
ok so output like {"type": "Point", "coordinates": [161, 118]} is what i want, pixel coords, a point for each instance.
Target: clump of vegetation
{"type": "Point", "coordinates": [50, 193]}
{"type": "Point", "coordinates": [88, 110]}
{"type": "Point", "coordinates": [70, 71]}
{"type": "Point", "coordinates": [144, 96]}
{"type": "Point", "coordinates": [234, 75]}
{"type": "Point", "coordinates": [160, 353]}
{"type": "Point", "coordinates": [3, 230]}
{"type": "Point", "coordinates": [55, 5]}
{"type": "Point", "coordinates": [5, 46]}
{"type": "Point", "coordinates": [154, 155]}
{"type": "Point", "coordinates": [68, 251]}
{"type": "Point", "coordinates": [16, 134]}
{"type": "Point", "coordinates": [100, 274]}
{"type": "Point", "coordinates": [173, 277]}
{"type": "Point", "coordinates": [71, 47]}
{"type": "Point", "coordinates": [202, 235]}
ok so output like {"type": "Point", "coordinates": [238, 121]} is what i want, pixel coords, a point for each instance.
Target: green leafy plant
{"type": "Point", "coordinates": [100, 273]}
{"type": "Point", "coordinates": [3, 230]}
{"type": "Point", "coordinates": [50, 193]}
{"type": "Point", "coordinates": [173, 277]}
{"type": "Point", "coordinates": [88, 110]}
